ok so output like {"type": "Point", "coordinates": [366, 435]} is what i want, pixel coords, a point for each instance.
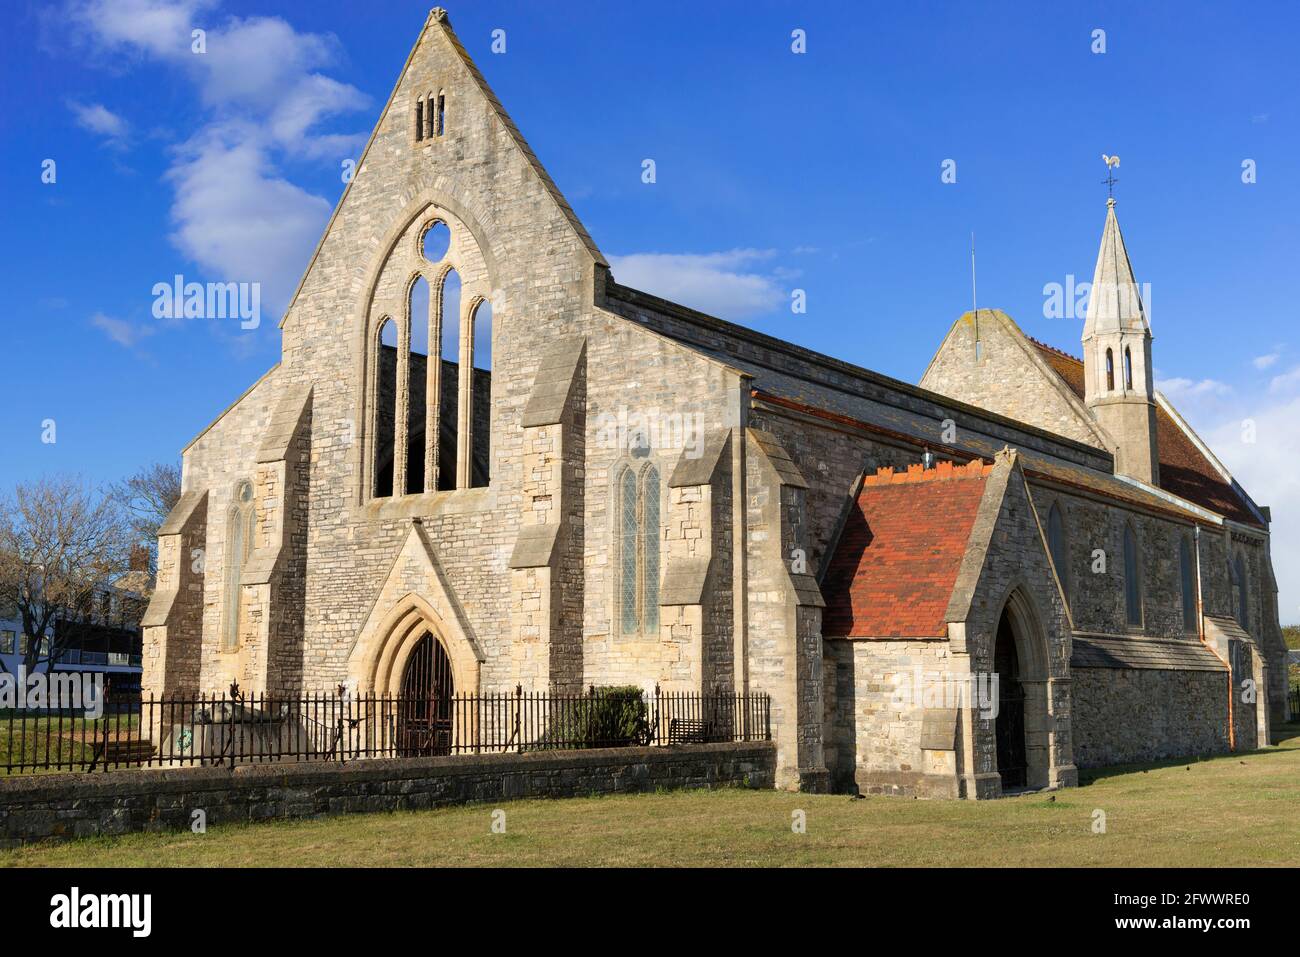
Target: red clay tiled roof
{"type": "Point", "coordinates": [1063, 364]}
{"type": "Point", "coordinates": [1184, 470]}
{"type": "Point", "coordinates": [897, 558]}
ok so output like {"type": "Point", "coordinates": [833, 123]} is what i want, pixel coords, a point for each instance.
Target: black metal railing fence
{"type": "Point", "coordinates": [237, 727]}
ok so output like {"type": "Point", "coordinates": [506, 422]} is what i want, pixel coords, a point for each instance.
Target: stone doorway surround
{"type": "Point", "coordinates": [415, 598]}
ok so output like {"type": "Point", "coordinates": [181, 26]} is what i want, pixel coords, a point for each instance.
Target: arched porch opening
{"type": "Point", "coordinates": [425, 707]}
{"type": "Point", "coordinates": [1022, 727]}
{"type": "Point", "coordinates": [381, 658]}
{"type": "Point", "coordinates": [417, 666]}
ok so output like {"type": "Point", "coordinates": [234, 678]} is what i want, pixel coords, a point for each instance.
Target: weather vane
{"type": "Point", "coordinates": [1112, 164]}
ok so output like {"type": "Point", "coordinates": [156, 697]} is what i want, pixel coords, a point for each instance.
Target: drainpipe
{"type": "Point", "coordinates": [1200, 630]}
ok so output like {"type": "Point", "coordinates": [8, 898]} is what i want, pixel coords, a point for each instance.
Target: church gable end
{"type": "Point", "coordinates": [987, 361]}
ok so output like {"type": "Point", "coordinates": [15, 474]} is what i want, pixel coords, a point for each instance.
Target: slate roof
{"type": "Point", "coordinates": [897, 559]}
{"type": "Point", "coordinates": [1108, 651]}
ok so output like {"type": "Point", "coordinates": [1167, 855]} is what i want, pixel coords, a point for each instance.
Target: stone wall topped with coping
{"type": "Point", "coordinates": [58, 806]}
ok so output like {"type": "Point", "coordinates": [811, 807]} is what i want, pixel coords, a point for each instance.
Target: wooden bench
{"type": "Point", "coordinates": [120, 747]}
{"type": "Point", "coordinates": [687, 731]}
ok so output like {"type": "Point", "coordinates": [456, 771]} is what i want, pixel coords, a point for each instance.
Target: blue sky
{"type": "Point", "coordinates": [774, 171]}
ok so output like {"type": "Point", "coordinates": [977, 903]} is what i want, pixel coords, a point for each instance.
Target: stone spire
{"type": "Point", "coordinates": [1115, 302]}
{"type": "Point", "coordinates": [1118, 382]}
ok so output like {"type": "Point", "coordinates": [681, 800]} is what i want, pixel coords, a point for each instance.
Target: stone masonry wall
{"type": "Point", "coordinates": [36, 808]}
{"type": "Point", "coordinates": [1095, 588]}
{"type": "Point", "coordinates": [876, 738]}
{"type": "Point", "coordinates": [1128, 715]}
{"type": "Point", "coordinates": [1005, 378]}
{"type": "Point", "coordinates": [831, 460]}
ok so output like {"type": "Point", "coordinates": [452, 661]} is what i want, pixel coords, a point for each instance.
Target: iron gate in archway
{"type": "Point", "coordinates": [424, 710]}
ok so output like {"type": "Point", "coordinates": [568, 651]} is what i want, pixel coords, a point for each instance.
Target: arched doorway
{"type": "Point", "coordinates": [1009, 726]}
{"type": "Point", "coordinates": [1023, 728]}
{"type": "Point", "coordinates": [424, 709]}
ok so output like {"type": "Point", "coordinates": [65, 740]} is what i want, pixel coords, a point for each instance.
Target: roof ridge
{"type": "Point", "coordinates": [942, 471]}
{"type": "Point", "coordinates": [1043, 345]}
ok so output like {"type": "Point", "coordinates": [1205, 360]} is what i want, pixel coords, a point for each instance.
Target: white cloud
{"type": "Point", "coordinates": [1266, 468]}
{"type": "Point", "coordinates": [233, 216]}
{"type": "Point", "coordinates": [235, 213]}
{"type": "Point", "coordinates": [1178, 388]}
{"type": "Point", "coordinates": [726, 284]}
{"type": "Point", "coordinates": [1286, 382]}
{"type": "Point", "coordinates": [311, 100]}
{"type": "Point", "coordinates": [124, 333]}
{"type": "Point", "coordinates": [160, 28]}
{"type": "Point", "coordinates": [1265, 361]}
{"type": "Point", "coordinates": [1255, 431]}
{"type": "Point", "coordinates": [99, 119]}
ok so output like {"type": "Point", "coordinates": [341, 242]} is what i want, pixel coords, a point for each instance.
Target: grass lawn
{"type": "Point", "coordinates": [1231, 810]}
{"type": "Point", "coordinates": [65, 741]}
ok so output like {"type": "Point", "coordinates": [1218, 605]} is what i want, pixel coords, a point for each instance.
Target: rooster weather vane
{"type": "Point", "coordinates": [1112, 164]}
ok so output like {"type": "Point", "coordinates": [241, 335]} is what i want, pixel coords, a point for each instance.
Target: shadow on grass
{"type": "Point", "coordinates": [1284, 732]}
{"type": "Point", "coordinates": [1282, 735]}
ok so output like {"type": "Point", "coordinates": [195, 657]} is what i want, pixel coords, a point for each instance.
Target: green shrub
{"type": "Point", "coordinates": [608, 717]}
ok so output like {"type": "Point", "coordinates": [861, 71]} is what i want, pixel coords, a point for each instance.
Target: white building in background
{"type": "Point", "coordinates": [109, 642]}
{"type": "Point", "coordinates": [13, 641]}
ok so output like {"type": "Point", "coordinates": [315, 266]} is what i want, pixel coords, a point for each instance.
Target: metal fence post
{"type": "Point", "coordinates": [343, 701]}
{"type": "Point", "coordinates": [519, 703]}
{"type": "Point", "coordinates": [657, 712]}
{"type": "Point", "coordinates": [234, 696]}
{"type": "Point", "coordinates": [103, 720]}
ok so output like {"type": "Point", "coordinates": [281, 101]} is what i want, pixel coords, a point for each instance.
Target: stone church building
{"type": "Point", "coordinates": [477, 439]}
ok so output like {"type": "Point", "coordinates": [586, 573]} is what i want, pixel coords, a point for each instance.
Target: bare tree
{"type": "Point", "coordinates": [147, 497]}
{"type": "Point", "coordinates": [60, 542]}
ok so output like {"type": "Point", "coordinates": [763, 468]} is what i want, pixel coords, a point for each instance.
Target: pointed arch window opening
{"type": "Point", "coordinates": [240, 531]}
{"type": "Point", "coordinates": [431, 391]}
{"type": "Point", "coordinates": [384, 404]}
{"type": "Point", "coordinates": [1132, 578]}
{"type": "Point", "coordinates": [629, 529]}
{"type": "Point", "coordinates": [419, 120]}
{"type": "Point", "coordinates": [480, 393]}
{"type": "Point", "coordinates": [1187, 579]}
{"type": "Point", "coordinates": [1128, 369]}
{"type": "Point", "coordinates": [1240, 592]}
{"type": "Point", "coordinates": [1058, 544]}
{"type": "Point", "coordinates": [419, 318]}
{"type": "Point", "coordinates": [449, 297]}
{"type": "Point", "coordinates": [1110, 371]}
{"type": "Point", "coordinates": [639, 544]}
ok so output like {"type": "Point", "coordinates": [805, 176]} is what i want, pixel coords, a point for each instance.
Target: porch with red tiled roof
{"type": "Point", "coordinates": [896, 562]}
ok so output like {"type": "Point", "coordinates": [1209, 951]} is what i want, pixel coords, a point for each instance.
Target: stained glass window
{"type": "Point", "coordinates": [628, 549]}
